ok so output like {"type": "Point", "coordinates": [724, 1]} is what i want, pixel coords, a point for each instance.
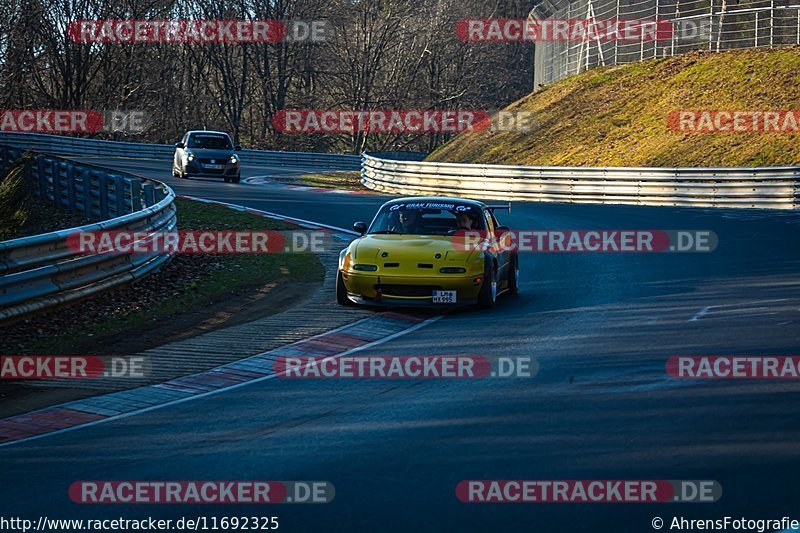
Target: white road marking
{"type": "Point", "coordinates": [313, 225]}
{"type": "Point", "coordinates": [755, 302]}
{"type": "Point", "coordinates": [704, 311]}
{"type": "Point", "coordinates": [256, 180]}
{"type": "Point", "coordinates": [739, 316]}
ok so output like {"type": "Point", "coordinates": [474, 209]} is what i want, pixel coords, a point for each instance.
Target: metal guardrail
{"type": "Point", "coordinates": [762, 187]}
{"type": "Point", "coordinates": [41, 271]}
{"type": "Point", "coordinates": [75, 146]}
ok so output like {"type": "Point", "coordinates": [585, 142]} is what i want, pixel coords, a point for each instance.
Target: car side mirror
{"type": "Point", "coordinates": [360, 227]}
{"type": "Point", "coordinates": [179, 145]}
{"type": "Point", "coordinates": [238, 147]}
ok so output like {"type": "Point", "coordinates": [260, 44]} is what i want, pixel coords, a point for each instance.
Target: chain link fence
{"type": "Point", "coordinates": [712, 25]}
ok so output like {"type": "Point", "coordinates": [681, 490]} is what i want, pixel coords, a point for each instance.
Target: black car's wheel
{"type": "Point", "coordinates": [513, 275]}
{"type": "Point", "coordinates": [341, 290]}
{"type": "Point", "coordinates": [226, 179]}
{"type": "Point", "coordinates": [487, 297]}
{"type": "Point", "coordinates": [235, 179]}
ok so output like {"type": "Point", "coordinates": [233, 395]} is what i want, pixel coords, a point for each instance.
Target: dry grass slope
{"type": "Point", "coordinates": [617, 116]}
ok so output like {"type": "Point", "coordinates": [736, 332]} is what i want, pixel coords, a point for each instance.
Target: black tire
{"type": "Point", "coordinates": [487, 297]}
{"type": "Point", "coordinates": [341, 291]}
{"type": "Point", "coordinates": [226, 179]}
{"type": "Point", "coordinates": [235, 179]}
{"type": "Point", "coordinates": [513, 275]}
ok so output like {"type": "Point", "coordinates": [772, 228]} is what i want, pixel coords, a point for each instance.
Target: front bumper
{"type": "Point", "coordinates": [196, 169]}
{"type": "Point", "coordinates": [409, 291]}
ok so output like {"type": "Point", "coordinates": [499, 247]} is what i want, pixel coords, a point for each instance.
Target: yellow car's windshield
{"type": "Point", "coordinates": [427, 218]}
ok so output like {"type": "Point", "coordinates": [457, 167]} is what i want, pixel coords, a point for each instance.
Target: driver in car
{"type": "Point", "coordinates": [465, 220]}
{"type": "Point", "coordinates": [408, 222]}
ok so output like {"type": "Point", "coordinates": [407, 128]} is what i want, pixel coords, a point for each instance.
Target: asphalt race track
{"type": "Point", "coordinates": [601, 327]}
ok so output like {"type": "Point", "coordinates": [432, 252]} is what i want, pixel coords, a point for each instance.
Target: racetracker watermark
{"type": "Point", "coordinates": [736, 121]}
{"type": "Point", "coordinates": [580, 241]}
{"type": "Point", "coordinates": [195, 242]}
{"type": "Point", "coordinates": [574, 29]}
{"type": "Point", "coordinates": [72, 367]}
{"type": "Point", "coordinates": [72, 121]}
{"type": "Point", "coordinates": [734, 367]}
{"type": "Point", "coordinates": [588, 491]}
{"type": "Point", "coordinates": [197, 31]}
{"type": "Point", "coordinates": [406, 367]}
{"type": "Point", "coordinates": [205, 492]}
{"type": "Point", "coordinates": [401, 121]}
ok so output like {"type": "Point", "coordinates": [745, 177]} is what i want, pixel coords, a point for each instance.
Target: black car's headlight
{"type": "Point", "coordinates": [234, 160]}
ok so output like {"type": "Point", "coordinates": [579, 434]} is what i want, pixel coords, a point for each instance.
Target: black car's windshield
{"type": "Point", "coordinates": [213, 142]}
{"type": "Point", "coordinates": [427, 218]}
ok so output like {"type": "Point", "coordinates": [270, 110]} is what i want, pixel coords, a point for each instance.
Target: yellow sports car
{"type": "Point", "coordinates": [428, 251]}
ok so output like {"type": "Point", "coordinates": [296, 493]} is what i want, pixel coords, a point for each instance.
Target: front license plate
{"type": "Point", "coordinates": [444, 297]}
{"type": "Point", "coordinates": [213, 167]}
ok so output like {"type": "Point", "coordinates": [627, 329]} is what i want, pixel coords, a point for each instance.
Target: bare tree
{"type": "Point", "coordinates": [378, 55]}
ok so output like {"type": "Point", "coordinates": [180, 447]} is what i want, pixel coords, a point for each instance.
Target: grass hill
{"type": "Point", "coordinates": [618, 116]}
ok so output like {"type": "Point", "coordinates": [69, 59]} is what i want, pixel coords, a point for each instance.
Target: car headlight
{"type": "Point", "coordinates": [234, 159]}
{"type": "Point", "coordinates": [189, 156]}
{"type": "Point", "coordinates": [368, 268]}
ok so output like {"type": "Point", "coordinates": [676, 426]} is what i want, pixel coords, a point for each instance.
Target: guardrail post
{"type": "Point", "coordinates": [88, 207]}
{"type": "Point", "coordinates": [41, 169]}
{"type": "Point", "coordinates": [119, 193]}
{"type": "Point", "coordinates": [55, 170]}
{"type": "Point", "coordinates": [149, 195]}
{"type": "Point", "coordinates": [102, 181]}
{"type": "Point", "coordinates": [136, 195]}
{"type": "Point", "coordinates": [71, 187]}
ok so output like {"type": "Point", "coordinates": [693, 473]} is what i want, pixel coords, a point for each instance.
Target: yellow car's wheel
{"type": "Point", "coordinates": [341, 290]}
{"type": "Point", "coordinates": [487, 297]}
{"type": "Point", "coordinates": [513, 275]}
